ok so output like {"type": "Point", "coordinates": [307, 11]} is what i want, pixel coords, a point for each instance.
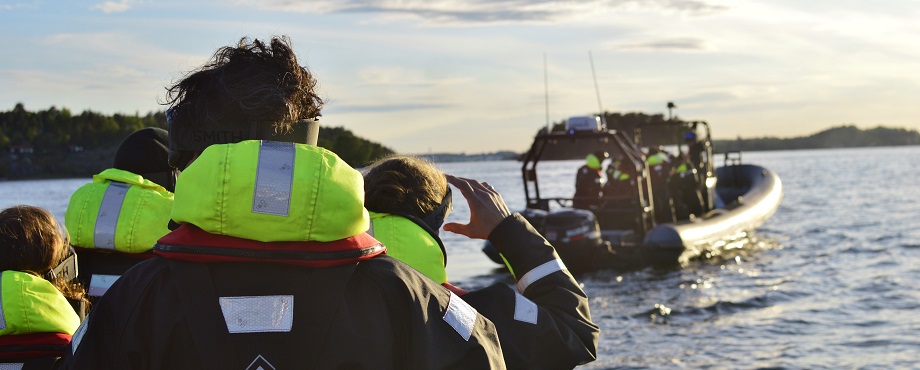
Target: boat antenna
{"type": "Point", "coordinates": [600, 107]}
{"type": "Point", "coordinates": [546, 93]}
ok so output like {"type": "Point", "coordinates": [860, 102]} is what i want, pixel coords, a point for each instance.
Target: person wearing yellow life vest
{"type": "Point", "coordinates": [589, 181]}
{"type": "Point", "coordinates": [36, 319]}
{"type": "Point", "coordinates": [115, 220]}
{"type": "Point", "coordinates": [271, 266]}
{"type": "Point", "coordinates": [544, 322]}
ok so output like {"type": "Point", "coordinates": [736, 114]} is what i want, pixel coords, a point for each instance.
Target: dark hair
{"type": "Point", "coordinates": [30, 240]}
{"type": "Point", "coordinates": [404, 185]}
{"type": "Point", "coordinates": [252, 82]}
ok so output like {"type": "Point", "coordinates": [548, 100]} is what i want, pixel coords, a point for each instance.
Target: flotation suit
{"type": "Point", "coordinates": [408, 242]}
{"type": "Point", "coordinates": [303, 283]}
{"type": "Point", "coordinates": [114, 222]}
{"type": "Point", "coordinates": [36, 321]}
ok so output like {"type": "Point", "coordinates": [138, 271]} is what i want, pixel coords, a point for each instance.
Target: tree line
{"type": "Point", "coordinates": [58, 143]}
{"type": "Point", "coordinates": [846, 136]}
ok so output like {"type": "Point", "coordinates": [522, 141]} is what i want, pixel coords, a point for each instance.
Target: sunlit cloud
{"type": "Point", "coordinates": [484, 11]}
{"type": "Point", "coordinates": [674, 44]}
{"type": "Point", "coordinates": [110, 7]}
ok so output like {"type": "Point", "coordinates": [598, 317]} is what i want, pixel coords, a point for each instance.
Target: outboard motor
{"type": "Point", "coordinates": [574, 233]}
{"type": "Point", "coordinates": [570, 226]}
{"type": "Point", "coordinates": [576, 236]}
{"type": "Point", "coordinates": [536, 217]}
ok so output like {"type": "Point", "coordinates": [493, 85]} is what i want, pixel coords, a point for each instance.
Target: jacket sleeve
{"type": "Point", "coordinates": [436, 329]}
{"type": "Point", "coordinates": [544, 322]}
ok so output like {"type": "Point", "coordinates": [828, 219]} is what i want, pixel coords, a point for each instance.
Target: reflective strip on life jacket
{"type": "Point", "coordinates": [274, 178]}
{"type": "Point", "coordinates": [107, 218]}
{"type": "Point", "coordinates": [538, 273]}
{"type": "Point", "coordinates": [2, 315]}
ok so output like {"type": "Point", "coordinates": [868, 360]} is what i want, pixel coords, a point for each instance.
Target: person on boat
{"type": "Point", "coordinates": [589, 181]}
{"type": "Point", "coordinates": [695, 150]}
{"type": "Point", "coordinates": [545, 322]}
{"type": "Point", "coordinates": [684, 185]}
{"type": "Point", "coordinates": [36, 319]}
{"type": "Point", "coordinates": [271, 266]}
{"type": "Point", "coordinates": [620, 177]}
{"type": "Point", "coordinates": [659, 164]}
{"type": "Point", "coordinates": [116, 219]}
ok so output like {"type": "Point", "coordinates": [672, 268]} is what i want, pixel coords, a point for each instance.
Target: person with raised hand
{"type": "Point", "coordinates": [544, 322]}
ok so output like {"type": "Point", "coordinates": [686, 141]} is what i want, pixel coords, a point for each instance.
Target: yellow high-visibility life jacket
{"type": "Point", "coordinates": [118, 211]}
{"type": "Point", "coordinates": [409, 243]}
{"type": "Point", "coordinates": [30, 304]}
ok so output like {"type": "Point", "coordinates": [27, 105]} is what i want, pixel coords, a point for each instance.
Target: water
{"type": "Point", "coordinates": [828, 282]}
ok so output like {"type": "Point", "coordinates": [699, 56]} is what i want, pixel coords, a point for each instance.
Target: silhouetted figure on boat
{"type": "Point", "coordinates": [659, 164]}
{"type": "Point", "coordinates": [684, 186]}
{"type": "Point", "coordinates": [589, 182]}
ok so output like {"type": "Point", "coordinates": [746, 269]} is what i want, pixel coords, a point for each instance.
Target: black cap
{"type": "Point", "coordinates": [145, 152]}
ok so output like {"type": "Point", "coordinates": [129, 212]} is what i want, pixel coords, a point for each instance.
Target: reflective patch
{"type": "Point", "coordinates": [274, 178]}
{"type": "Point", "coordinates": [461, 316]}
{"type": "Point", "coordinates": [263, 314]}
{"type": "Point", "coordinates": [99, 284]}
{"type": "Point", "coordinates": [107, 219]}
{"type": "Point", "coordinates": [370, 230]}
{"type": "Point", "coordinates": [78, 335]}
{"type": "Point", "coordinates": [2, 315]}
{"type": "Point", "coordinates": [538, 273]}
{"type": "Point", "coordinates": [524, 309]}
{"type": "Point", "coordinates": [11, 366]}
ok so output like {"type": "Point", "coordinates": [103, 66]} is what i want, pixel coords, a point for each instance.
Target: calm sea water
{"type": "Point", "coordinates": [830, 281]}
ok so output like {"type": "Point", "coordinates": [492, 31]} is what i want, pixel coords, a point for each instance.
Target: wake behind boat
{"type": "Point", "coordinates": [650, 212]}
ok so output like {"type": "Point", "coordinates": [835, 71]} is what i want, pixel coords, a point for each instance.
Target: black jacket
{"type": "Point", "coordinates": [549, 325]}
{"type": "Point", "coordinates": [376, 314]}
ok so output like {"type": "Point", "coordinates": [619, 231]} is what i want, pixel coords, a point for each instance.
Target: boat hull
{"type": "Point", "coordinates": [747, 196]}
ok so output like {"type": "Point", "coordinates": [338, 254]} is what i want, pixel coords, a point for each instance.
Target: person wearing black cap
{"type": "Point", "coordinates": [271, 266]}
{"type": "Point", "coordinates": [115, 220]}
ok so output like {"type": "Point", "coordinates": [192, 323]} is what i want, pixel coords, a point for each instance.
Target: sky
{"type": "Point", "coordinates": [475, 76]}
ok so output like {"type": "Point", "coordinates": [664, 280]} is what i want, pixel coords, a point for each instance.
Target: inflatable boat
{"type": "Point", "coordinates": [664, 214]}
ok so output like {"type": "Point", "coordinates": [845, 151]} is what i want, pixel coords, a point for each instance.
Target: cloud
{"type": "Point", "coordinates": [673, 44]}
{"type": "Point", "coordinates": [110, 7]}
{"type": "Point", "coordinates": [484, 11]}
{"type": "Point", "coordinates": [384, 108]}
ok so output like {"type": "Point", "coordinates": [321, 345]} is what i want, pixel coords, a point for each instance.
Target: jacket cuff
{"type": "Point", "coordinates": [523, 247]}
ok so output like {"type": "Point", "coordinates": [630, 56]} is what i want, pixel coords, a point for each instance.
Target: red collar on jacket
{"type": "Point", "coordinates": [190, 243]}
{"type": "Point", "coordinates": [26, 346]}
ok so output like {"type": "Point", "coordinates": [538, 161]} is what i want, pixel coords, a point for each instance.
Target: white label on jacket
{"type": "Point", "coordinates": [524, 309]}
{"type": "Point", "coordinates": [538, 273]}
{"type": "Point", "coordinates": [107, 218]}
{"type": "Point", "coordinates": [12, 366]}
{"type": "Point", "coordinates": [99, 284]}
{"type": "Point", "coordinates": [262, 314]}
{"type": "Point", "coordinates": [461, 316]}
{"type": "Point", "coordinates": [274, 178]}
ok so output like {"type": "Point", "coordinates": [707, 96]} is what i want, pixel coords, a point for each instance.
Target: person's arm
{"type": "Point", "coordinates": [545, 322]}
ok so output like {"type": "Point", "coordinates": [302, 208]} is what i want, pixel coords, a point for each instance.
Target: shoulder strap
{"type": "Point", "coordinates": [200, 304]}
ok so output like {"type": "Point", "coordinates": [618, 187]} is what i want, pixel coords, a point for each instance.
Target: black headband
{"type": "Point", "coordinates": [187, 139]}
